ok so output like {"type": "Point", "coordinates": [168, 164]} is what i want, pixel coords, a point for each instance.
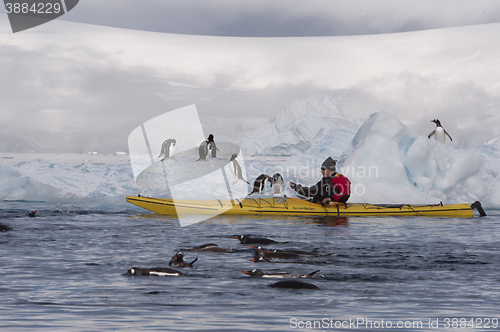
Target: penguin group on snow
{"type": "Point", "coordinates": [261, 255]}
{"type": "Point", "coordinates": [208, 149]}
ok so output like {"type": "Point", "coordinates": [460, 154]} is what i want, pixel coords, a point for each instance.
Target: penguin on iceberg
{"type": "Point", "coordinates": [236, 169]}
{"type": "Point", "coordinates": [167, 148]}
{"type": "Point", "coordinates": [439, 133]}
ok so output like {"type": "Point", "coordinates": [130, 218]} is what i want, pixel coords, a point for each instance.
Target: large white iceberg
{"type": "Point", "coordinates": [388, 163]}
{"type": "Point", "coordinates": [296, 124]}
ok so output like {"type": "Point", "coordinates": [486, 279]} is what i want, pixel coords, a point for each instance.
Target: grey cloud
{"type": "Point", "coordinates": [52, 104]}
{"type": "Point", "coordinates": [284, 18]}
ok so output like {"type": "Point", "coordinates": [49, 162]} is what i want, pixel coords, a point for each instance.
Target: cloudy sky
{"type": "Point", "coordinates": [67, 86]}
{"type": "Point", "coordinates": [284, 18]}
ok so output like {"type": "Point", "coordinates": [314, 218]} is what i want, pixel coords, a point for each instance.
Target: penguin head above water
{"type": "Point", "coordinates": [242, 238]}
{"type": "Point", "coordinates": [254, 273]}
{"type": "Point", "coordinates": [177, 258]}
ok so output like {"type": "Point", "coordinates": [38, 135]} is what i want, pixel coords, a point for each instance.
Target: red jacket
{"type": "Point", "coordinates": [341, 188]}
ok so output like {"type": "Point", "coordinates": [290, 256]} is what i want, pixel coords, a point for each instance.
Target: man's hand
{"type": "Point", "coordinates": [326, 201]}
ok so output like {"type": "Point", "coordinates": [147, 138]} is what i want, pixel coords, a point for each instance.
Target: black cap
{"type": "Point", "coordinates": [329, 164]}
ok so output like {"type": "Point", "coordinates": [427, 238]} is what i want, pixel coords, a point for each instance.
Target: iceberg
{"type": "Point", "coordinates": [389, 163]}
{"type": "Point", "coordinates": [296, 124]}
{"type": "Point", "coordinates": [41, 180]}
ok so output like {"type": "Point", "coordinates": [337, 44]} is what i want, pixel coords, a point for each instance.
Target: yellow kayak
{"type": "Point", "coordinates": [286, 206]}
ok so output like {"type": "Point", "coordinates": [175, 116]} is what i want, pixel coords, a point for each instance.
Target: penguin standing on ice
{"type": "Point", "coordinates": [203, 151]}
{"type": "Point", "coordinates": [212, 148]}
{"type": "Point", "coordinates": [167, 149]}
{"type": "Point", "coordinates": [236, 169]}
{"type": "Point", "coordinates": [439, 133]}
{"type": "Point", "coordinates": [207, 149]}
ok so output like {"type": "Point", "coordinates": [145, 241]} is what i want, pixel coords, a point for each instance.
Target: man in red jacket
{"type": "Point", "coordinates": [332, 187]}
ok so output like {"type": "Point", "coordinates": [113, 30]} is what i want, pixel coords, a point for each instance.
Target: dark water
{"type": "Point", "coordinates": [65, 271]}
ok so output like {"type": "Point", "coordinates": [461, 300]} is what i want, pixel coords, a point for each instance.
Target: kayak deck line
{"type": "Point", "coordinates": [286, 206]}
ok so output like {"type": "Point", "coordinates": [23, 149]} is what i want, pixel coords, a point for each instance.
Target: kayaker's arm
{"type": "Point", "coordinates": [306, 191]}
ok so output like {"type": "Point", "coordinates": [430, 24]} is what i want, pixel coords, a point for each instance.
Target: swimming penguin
{"type": "Point", "coordinates": [167, 148]}
{"type": "Point", "coordinates": [209, 247]}
{"type": "Point", "coordinates": [31, 214]}
{"type": "Point", "coordinates": [5, 228]}
{"type": "Point", "coordinates": [260, 259]}
{"type": "Point", "coordinates": [439, 133]}
{"type": "Point", "coordinates": [245, 239]}
{"type": "Point", "coordinates": [259, 251]}
{"type": "Point", "coordinates": [278, 184]}
{"type": "Point", "coordinates": [236, 169]}
{"type": "Point", "coordinates": [259, 274]}
{"type": "Point", "coordinates": [155, 271]}
{"type": "Point", "coordinates": [298, 252]}
{"type": "Point", "coordinates": [178, 260]}
{"type": "Point", "coordinates": [260, 183]}
{"type": "Point", "coordinates": [295, 284]}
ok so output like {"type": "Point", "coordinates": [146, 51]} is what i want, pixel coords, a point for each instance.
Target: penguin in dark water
{"type": "Point", "coordinates": [178, 260]}
{"type": "Point", "coordinates": [277, 253]}
{"type": "Point", "coordinates": [259, 251]}
{"type": "Point", "coordinates": [245, 239]}
{"type": "Point", "coordinates": [278, 184]}
{"type": "Point", "coordinates": [236, 169]}
{"type": "Point", "coordinates": [260, 259]}
{"type": "Point", "coordinates": [439, 133]}
{"type": "Point", "coordinates": [5, 228]}
{"type": "Point", "coordinates": [155, 271]}
{"type": "Point", "coordinates": [167, 148]}
{"type": "Point", "coordinates": [31, 214]}
{"type": "Point", "coordinates": [298, 252]}
{"type": "Point", "coordinates": [259, 274]}
{"type": "Point", "coordinates": [209, 247]}
{"type": "Point", "coordinates": [295, 284]}
{"type": "Point", "coordinates": [260, 183]}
